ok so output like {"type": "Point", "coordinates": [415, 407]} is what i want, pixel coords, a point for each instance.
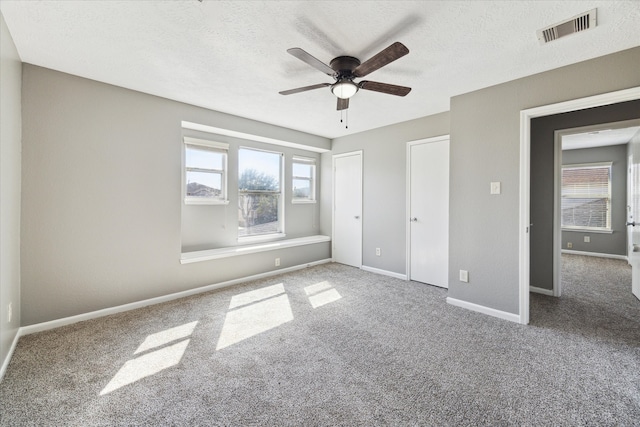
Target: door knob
{"type": "Point", "coordinates": [356, 217]}
{"type": "Point", "coordinates": [633, 224]}
{"type": "Point", "coordinates": [414, 219]}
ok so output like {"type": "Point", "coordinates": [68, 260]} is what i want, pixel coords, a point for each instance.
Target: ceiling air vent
{"type": "Point", "coordinates": [582, 22]}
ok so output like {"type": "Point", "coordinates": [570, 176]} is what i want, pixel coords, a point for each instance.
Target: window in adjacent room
{"type": "Point", "coordinates": [205, 168]}
{"type": "Point", "coordinates": [586, 197]}
{"type": "Point", "coordinates": [260, 195]}
{"type": "Point", "coordinates": [303, 180]}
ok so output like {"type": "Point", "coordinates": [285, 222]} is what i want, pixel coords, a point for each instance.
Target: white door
{"type": "Point", "coordinates": [633, 232]}
{"type": "Point", "coordinates": [347, 209]}
{"type": "Point", "coordinates": [428, 207]}
{"type": "Point", "coordinates": [629, 207]}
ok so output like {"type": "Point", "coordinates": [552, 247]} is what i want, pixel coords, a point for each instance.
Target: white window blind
{"type": "Point", "coordinates": [586, 196]}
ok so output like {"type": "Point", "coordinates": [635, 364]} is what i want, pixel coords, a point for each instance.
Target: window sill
{"type": "Point", "coordinates": [211, 254]}
{"type": "Point", "coordinates": [303, 202]}
{"type": "Point", "coordinates": [587, 231]}
{"type": "Point", "coordinates": [205, 202]}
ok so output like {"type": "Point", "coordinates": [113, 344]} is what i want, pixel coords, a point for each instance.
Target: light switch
{"type": "Point", "coordinates": [495, 188]}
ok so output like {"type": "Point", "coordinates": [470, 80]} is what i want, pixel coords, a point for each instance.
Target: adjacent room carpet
{"type": "Point", "coordinates": [335, 345]}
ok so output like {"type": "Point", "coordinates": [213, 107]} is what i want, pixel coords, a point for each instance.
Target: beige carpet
{"type": "Point", "coordinates": [334, 345]}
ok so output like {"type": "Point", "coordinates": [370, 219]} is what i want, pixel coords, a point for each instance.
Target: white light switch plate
{"type": "Point", "coordinates": [464, 276]}
{"type": "Point", "coordinates": [495, 188]}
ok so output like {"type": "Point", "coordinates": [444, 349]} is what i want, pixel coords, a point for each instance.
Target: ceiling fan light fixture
{"type": "Point", "coordinates": [344, 89]}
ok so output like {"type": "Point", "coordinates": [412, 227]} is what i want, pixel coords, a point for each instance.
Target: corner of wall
{"type": "Point", "coordinates": [10, 193]}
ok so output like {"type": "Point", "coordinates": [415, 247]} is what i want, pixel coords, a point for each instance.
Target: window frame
{"type": "Point", "coordinates": [307, 161]}
{"type": "Point", "coordinates": [208, 145]}
{"type": "Point", "coordinates": [609, 195]}
{"type": "Point", "coordinates": [280, 202]}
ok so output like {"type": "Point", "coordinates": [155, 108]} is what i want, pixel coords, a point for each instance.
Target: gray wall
{"type": "Point", "coordinates": [384, 217]}
{"type": "Point", "coordinates": [10, 166]}
{"type": "Point", "coordinates": [605, 243]}
{"type": "Point", "coordinates": [101, 197]}
{"type": "Point", "coordinates": [542, 158]}
{"type": "Point", "coordinates": [485, 147]}
{"type": "Point", "coordinates": [215, 226]}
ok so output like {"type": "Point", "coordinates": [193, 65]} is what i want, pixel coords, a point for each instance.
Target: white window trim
{"type": "Point", "coordinates": [216, 146]}
{"type": "Point", "coordinates": [311, 162]}
{"type": "Point", "coordinates": [281, 205]}
{"type": "Point", "coordinates": [604, 230]}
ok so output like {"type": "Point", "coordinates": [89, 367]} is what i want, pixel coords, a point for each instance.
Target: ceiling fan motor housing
{"type": "Point", "coordinates": [344, 66]}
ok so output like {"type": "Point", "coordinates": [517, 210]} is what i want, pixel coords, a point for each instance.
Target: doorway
{"type": "Point", "coordinates": [526, 117]}
{"type": "Point", "coordinates": [428, 209]}
{"type": "Point", "coordinates": [347, 208]}
{"type": "Point", "coordinates": [592, 192]}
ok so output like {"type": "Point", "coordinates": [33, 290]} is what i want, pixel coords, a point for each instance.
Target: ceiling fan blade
{"type": "Point", "coordinates": [304, 89]}
{"type": "Point", "coordinates": [314, 62]}
{"type": "Point", "coordinates": [382, 58]}
{"type": "Point", "coordinates": [384, 88]}
{"type": "Point", "coordinates": [343, 104]}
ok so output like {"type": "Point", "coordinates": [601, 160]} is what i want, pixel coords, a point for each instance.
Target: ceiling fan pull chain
{"type": "Point", "coordinates": [347, 114]}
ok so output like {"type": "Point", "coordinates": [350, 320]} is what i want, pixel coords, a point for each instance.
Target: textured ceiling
{"type": "Point", "coordinates": [599, 138]}
{"type": "Point", "coordinates": [230, 56]}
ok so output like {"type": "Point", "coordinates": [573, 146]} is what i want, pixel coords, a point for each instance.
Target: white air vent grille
{"type": "Point", "coordinates": [582, 22]}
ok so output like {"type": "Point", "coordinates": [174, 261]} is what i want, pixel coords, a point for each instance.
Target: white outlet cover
{"type": "Point", "coordinates": [495, 188]}
{"type": "Point", "coordinates": [587, 239]}
{"type": "Point", "coordinates": [464, 276]}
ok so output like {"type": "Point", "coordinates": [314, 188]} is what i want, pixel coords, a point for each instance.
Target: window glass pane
{"type": "Point", "coordinates": [202, 158]}
{"type": "Point", "coordinates": [258, 170]}
{"type": "Point", "coordinates": [302, 170]}
{"type": "Point", "coordinates": [258, 214]}
{"type": "Point", "coordinates": [259, 190]}
{"type": "Point", "coordinates": [204, 184]}
{"type": "Point", "coordinates": [302, 188]}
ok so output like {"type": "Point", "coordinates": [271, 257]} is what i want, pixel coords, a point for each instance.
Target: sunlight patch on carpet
{"type": "Point", "coordinates": [154, 361]}
{"type": "Point", "coordinates": [167, 336]}
{"type": "Point", "coordinates": [322, 293]}
{"type": "Point", "coordinates": [259, 311]}
{"type": "Point", "coordinates": [147, 365]}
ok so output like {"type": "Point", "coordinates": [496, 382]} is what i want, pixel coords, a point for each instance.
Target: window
{"type": "Point", "coordinates": [205, 168]}
{"type": "Point", "coordinates": [586, 197]}
{"type": "Point", "coordinates": [303, 180]}
{"type": "Point", "coordinates": [260, 211]}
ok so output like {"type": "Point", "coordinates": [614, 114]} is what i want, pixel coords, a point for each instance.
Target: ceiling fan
{"type": "Point", "coordinates": [344, 69]}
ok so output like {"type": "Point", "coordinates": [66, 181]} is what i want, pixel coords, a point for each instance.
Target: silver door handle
{"type": "Point", "coordinates": [413, 219]}
{"type": "Point", "coordinates": [356, 217]}
{"type": "Point", "coordinates": [633, 224]}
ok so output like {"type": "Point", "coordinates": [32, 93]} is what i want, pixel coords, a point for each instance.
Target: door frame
{"type": "Point", "coordinates": [525, 175]}
{"type": "Point", "coordinates": [557, 189]}
{"type": "Point", "coordinates": [360, 155]}
{"type": "Point", "coordinates": [408, 193]}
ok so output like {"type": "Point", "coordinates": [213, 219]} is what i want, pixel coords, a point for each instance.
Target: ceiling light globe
{"type": "Point", "coordinates": [344, 89]}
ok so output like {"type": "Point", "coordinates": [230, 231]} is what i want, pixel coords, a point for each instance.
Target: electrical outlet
{"type": "Point", "coordinates": [9, 312]}
{"type": "Point", "coordinates": [569, 245]}
{"type": "Point", "coordinates": [277, 262]}
{"type": "Point", "coordinates": [495, 188]}
{"type": "Point", "coordinates": [377, 251]}
{"type": "Point", "coordinates": [464, 276]}
{"type": "Point", "coordinates": [587, 239]}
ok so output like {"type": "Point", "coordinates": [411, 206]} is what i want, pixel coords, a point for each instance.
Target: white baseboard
{"type": "Point", "coordinates": [384, 272]}
{"type": "Point", "coordinates": [484, 310]}
{"type": "Point", "coordinates": [5, 362]}
{"type": "Point", "coordinates": [596, 254]}
{"type": "Point", "coordinates": [39, 327]}
{"type": "Point", "coordinates": [541, 290]}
